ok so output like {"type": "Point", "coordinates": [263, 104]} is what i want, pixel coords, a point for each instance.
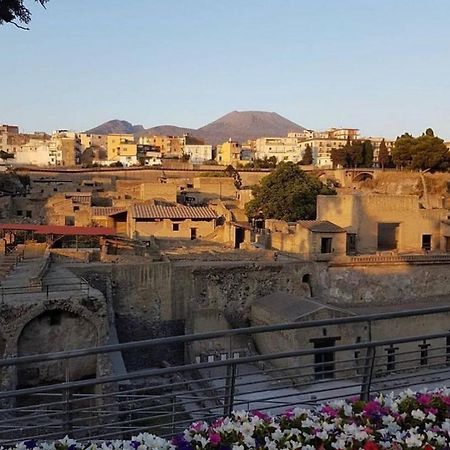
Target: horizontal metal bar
{"type": "Point", "coordinates": [219, 334]}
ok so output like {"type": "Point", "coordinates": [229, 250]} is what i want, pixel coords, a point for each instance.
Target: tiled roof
{"type": "Point", "coordinates": [320, 226]}
{"type": "Point", "coordinates": [79, 197]}
{"type": "Point", "coordinates": [172, 212]}
{"type": "Point", "coordinates": [106, 210]}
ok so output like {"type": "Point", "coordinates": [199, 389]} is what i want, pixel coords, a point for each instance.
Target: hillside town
{"type": "Point", "coordinates": [69, 148]}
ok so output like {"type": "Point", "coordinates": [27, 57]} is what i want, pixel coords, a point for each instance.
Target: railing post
{"type": "Point", "coordinates": [230, 383]}
{"type": "Point", "coordinates": [366, 382]}
{"type": "Point", "coordinates": [172, 424]}
{"type": "Point", "coordinates": [67, 399]}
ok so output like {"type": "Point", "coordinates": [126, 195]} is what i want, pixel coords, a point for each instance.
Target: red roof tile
{"type": "Point", "coordinates": [172, 212]}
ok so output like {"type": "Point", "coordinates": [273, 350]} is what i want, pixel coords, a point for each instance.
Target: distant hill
{"type": "Point", "coordinates": [117, 126]}
{"type": "Point", "coordinates": [169, 130]}
{"type": "Point", "coordinates": [243, 125]}
{"type": "Point", "coordinates": [237, 125]}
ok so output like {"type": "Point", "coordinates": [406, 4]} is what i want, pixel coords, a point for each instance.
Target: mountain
{"type": "Point", "coordinates": [169, 130]}
{"type": "Point", "coordinates": [117, 127]}
{"type": "Point", "coordinates": [237, 125]}
{"type": "Point", "coordinates": [244, 125]}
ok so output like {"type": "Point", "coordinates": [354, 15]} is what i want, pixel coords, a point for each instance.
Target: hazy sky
{"type": "Point", "coordinates": [380, 65]}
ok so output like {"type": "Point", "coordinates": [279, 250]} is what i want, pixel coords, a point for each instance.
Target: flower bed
{"type": "Point", "coordinates": [407, 421]}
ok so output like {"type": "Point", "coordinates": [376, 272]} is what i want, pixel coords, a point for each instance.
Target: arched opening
{"type": "Point", "coordinates": [364, 176]}
{"type": "Point", "coordinates": [307, 280]}
{"type": "Point", "coordinates": [55, 331]}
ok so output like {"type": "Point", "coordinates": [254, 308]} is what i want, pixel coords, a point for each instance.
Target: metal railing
{"type": "Point", "coordinates": [172, 381]}
{"type": "Point", "coordinates": [45, 289]}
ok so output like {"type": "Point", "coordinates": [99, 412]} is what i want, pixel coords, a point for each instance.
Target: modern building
{"type": "Point", "coordinates": [122, 149]}
{"type": "Point", "coordinates": [229, 153]}
{"type": "Point", "coordinates": [198, 153]}
{"type": "Point", "coordinates": [282, 148]}
{"type": "Point", "coordinates": [88, 140]}
{"type": "Point", "coordinates": [169, 146]}
{"type": "Point", "coordinates": [321, 150]}
{"type": "Point", "coordinates": [149, 155]}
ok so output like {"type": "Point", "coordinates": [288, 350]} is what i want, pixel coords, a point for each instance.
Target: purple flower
{"type": "Point", "coordinates": [30, 444]}
{"type": "Point", "coordinates": [135, 444]}
{"type": "Point", "coordinates": [180, 443]}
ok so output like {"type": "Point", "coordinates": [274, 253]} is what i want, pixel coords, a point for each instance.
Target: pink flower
{"type": "Point", "coordinates": [289, 414]}
{"type": "Point", "coordinates": [372, 407]}
{"type": "Point", "coordinates": [261, 415]}
{"type": "Point", "coordinates": [214, 438]}
{"type": "Point", "coordinates": [197, 426]}
{"type": "Point", "coordinates": [424, 399]}
{"type": "Point", "coordinates": [327, 409]}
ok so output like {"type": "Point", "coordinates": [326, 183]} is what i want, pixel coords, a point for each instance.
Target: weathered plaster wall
{"type": "Point", "coordinates": [387, 284]}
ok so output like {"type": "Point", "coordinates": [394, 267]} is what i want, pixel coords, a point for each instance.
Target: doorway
{"type": "Point", "coordinates": [426, 242]}
{"type": "Point", "coordinates": [193, 233]}
{"type": "Point", "coordinates": [239, 236]}
{"type": "Point", "coordinates": [324, 361]}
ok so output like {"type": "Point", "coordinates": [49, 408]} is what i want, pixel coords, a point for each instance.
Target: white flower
{"type": "Point", "coordinates": [418, 414]}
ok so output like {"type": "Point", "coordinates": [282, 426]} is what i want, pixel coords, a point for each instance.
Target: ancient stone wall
{"type": "Point", "coordinates": [388, 284]}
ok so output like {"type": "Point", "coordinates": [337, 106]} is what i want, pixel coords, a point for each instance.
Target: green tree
{"type": "Point", "coordinates": [403, 150]}
{"type": "Point", "coordinates": [14, 11]}
{"type": "Point", "coordinates": [355, 156]}
{"type": "Point", "coordinates": [367, 154]}
{"type": "Point", "coordinates": [431, 153]}
{"type": "Point", "coordinates": [424, 152]}
{"type": "Point", "coordinates": [231, 172]}
{"type": "Point", "coordinates": [383, 154]}
{"type": "Point", "coordinates": [338, 157]}
{"type": "Point", "coordinates": [288, 193]}
{"type": "Point", "coordinates": [307, 158]}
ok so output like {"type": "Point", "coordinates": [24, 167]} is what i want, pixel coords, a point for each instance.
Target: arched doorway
{"type": "Point", "coordinates": [306, 279]}
{"type": "Point", "coordinates": [55, 331]}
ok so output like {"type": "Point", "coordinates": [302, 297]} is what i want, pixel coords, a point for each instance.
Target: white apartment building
{"type": "Point", "coordinates": [285, 149]}
{"type": "Point", "coordinates": [321, 150]}
{"type": "Point", "coordinates": [198, 153]}
{"type": "Point", "coordinates": [376, 141]}
{"type": "Point", "coordinates": [35, 153]}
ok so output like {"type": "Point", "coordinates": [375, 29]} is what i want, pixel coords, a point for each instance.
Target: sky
{"type": "Point", "coordinates": [379, 65]}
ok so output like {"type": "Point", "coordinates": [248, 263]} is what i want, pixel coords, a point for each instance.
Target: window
{"type": "Point", "coordinates": [325, 245]}
{"type": "Point", "coordinates": [424, 353]}
{"type": "Point", "coordinates": [76, 208]}
{"type": "Point", "coordinates": [28, 213]}
{"type": "Point", "coordinates": [19, 212]}
{"type": "Point", "coordinates": [390, 358]}
{"type": "Point", "coordinates": [69, 221]}
{"type": "Point", "coordinates": [175, 227]}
